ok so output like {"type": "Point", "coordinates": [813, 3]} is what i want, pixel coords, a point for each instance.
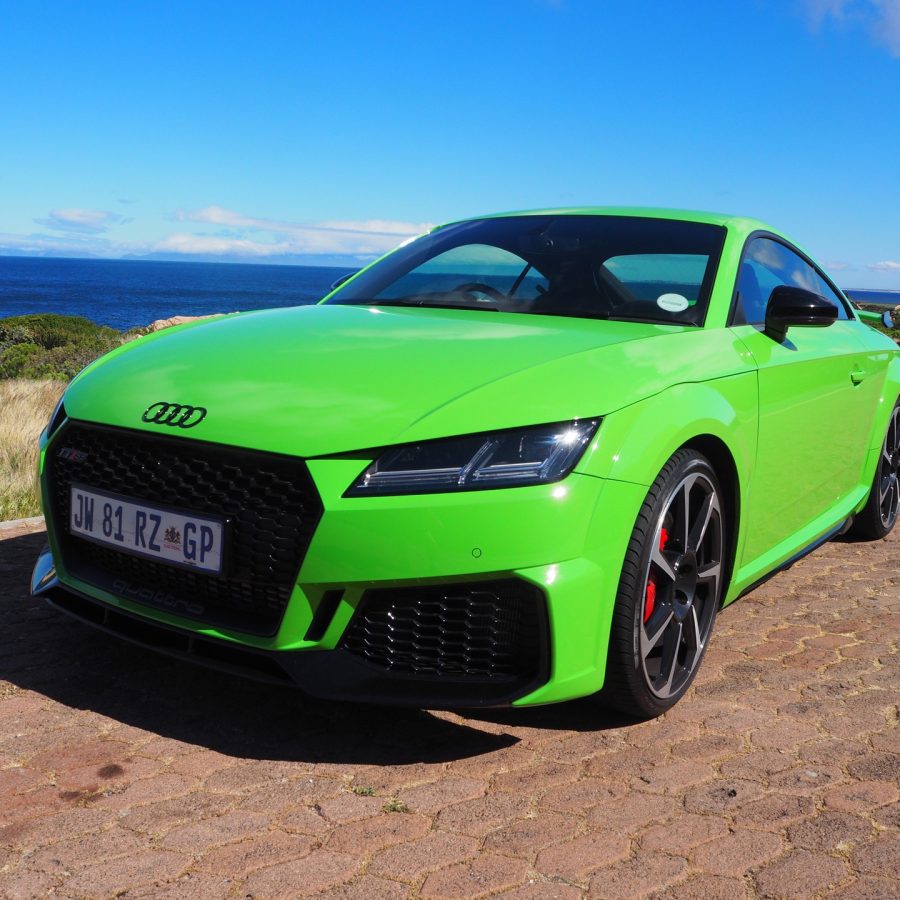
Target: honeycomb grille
{"type": "Point", "coordinates": [270, 503]}
{"type": "Point", "coordinates": [482, 631]}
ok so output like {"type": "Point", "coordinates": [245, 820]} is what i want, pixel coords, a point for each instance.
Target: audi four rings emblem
{"type": "Point", "coordinates": [175, 415]}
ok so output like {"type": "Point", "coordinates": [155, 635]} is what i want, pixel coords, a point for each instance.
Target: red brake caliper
{"type": "Point", "coordinates": [650, 600]}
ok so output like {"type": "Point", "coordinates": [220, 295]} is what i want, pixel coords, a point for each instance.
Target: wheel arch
{"type": "Point", "coordinates": [722, 460]}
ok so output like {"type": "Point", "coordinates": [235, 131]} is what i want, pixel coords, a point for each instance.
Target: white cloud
{"type": "Point", "coordinates": [880, 17]}
{"type": "Point", "coordinates": [837, 266]}
{"type": "Point", "coordinates": [235, 235]}
{"type": "Point", "coordinates": [219, 246]}
{"type": "Point", "coordinates": [886, 265]}
{"type": "Point", "coordinates": [366, 238]}
{"type": "Point", "coordinates": [83, 221]}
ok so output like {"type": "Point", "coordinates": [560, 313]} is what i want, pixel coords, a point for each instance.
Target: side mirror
{"type": "Point", "coordinates": [794, 306]}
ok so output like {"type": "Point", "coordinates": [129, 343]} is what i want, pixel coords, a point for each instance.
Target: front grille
{"type": "Point", "coordinates": [270, 502]}
{"type": "Point", "coordinates": [484, 631]}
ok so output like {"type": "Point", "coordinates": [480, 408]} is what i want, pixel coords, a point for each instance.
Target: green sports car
{"type": "Point", "coordinates": [520, 459]}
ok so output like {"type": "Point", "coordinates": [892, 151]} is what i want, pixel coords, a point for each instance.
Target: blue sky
{"type": "Point", "coordinates": [311, 131]}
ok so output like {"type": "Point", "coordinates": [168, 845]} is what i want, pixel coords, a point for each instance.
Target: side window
{"type": "Point", "coordinates": [768, 264]}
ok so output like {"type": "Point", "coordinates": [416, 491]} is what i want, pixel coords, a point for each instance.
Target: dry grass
{"type": "Point", "coordinates": [25, 407]}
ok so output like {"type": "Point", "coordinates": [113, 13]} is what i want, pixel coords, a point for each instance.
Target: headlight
{"type": "Point", "coordinates": [537, 455]}
{"type": "Point", "coordinates": [58, 416]}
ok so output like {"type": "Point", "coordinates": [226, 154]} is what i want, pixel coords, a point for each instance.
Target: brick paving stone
{"type": "Point", "coordinates": [195, 885]}
{"type": "Point", "coordinates": [632, 812]}
{"type": "Point", "coordinates": [63, 857]}
{"type": "Point", "coordinates": [860, 796]}
{"type": "Point", "coordinates": [888, 816]}
{"type": "Point", "coordinates": [774, 811]}
{"type": "Point", "coordinates": [431, 798]}
{"type": "Point", "coordinates": [26, 885]}
{"type": "Point", "coordinates": [757, 765]}
{"type": "Point", "coordinates": [881, 857]}
{"type": "Point", "coordinates": [246, 776]}
{"type": "Point", "coordinates": [866, 888]}
{"type": "Point", "coordinates": [535, 779]}
{"type": "Point", "coordinates": [311, 874]}
{"type": "Point", "coordinates": [876, 767]}
{"type": "Point", "coordinates": [368, 835]}
{"type": "Point", "coordinates": [800, 874]}
{"type": "Point", "coordinates": [290, 794]}
{"type": "Point", "coordinates": [705, 887]}
{"type": "Point", "coordinates": [637, 877]}
{"type": "Point", "coordinates": [62, 826]}
{"type": "Point", "coordinates": [485, 874]}
{"type": "Point", "coordinates": [579, 796]}
{"type": "Point", "coordinates": [230, 826]}
{"type": "Point", "coordinates": [721, 796]}
{"type": "Point", "coordinates": [525, 837]}
{"type": "Point", "coordinates": [683, 833]}
{"type": "Point", "coordinates": [578, 857]}
{"type": "Point", "coordinates": [258, 850]}
{"type": "Point", "coordinates": [305, 821]}
{"type": "Point", "coordinates": [368, 887]}
{"type": "Point", "coordinates": [409, 861]}
{"type": "Point", "coordinates": [478, 817]}
{"type": "Point", "coordinates": [707, 747]}
{"type": "Point", "coordinates": [149, 790]}
{"type": "Point", "coordinates": [160, 817]}
{"type": "Point", "coordinates": [346, 807]}
{"type": "Point", "coordinates": [673, 777]}
{"type": "Point", "coordinates": [737, 852]}
{"type": "Point", "coordinates": [806, 780]}
{"type": "Point", "coordinates": [112, 877]}
{"type": "Point", "coordinates": [830, 831]}
{"type": "Point", "coordinates": [542, 890]}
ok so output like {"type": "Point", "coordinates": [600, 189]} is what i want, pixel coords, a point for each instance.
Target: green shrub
{"type": "Point", "coordinates": [47, 345]}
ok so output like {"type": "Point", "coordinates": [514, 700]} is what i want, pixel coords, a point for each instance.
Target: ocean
{"type": "Point", "coordinates": [126, 293]}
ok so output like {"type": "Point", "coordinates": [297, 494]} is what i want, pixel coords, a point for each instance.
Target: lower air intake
{"type": "Point", "coordinates": [480, 631]}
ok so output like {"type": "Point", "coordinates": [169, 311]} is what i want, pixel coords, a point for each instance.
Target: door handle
{"type": "Point", "coordinates": [858, 375]}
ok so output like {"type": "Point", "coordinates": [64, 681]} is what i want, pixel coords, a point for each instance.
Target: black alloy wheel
{"type": "Point", "coordinates": [879, 515]}
{"type": "Point", "coordinates": [670, 590]}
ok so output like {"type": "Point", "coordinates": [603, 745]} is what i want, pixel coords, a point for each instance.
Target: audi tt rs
{"type": "Point", "coordinates": [521, 459]}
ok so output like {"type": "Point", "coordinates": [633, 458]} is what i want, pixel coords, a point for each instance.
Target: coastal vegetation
{"type": "Point", "coordinates": [50, 346]}
{"type": "Point", "coordinates": [25, 407]}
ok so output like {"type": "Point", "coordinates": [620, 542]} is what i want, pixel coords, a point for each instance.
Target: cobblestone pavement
{"type": "Point", "coordinates": [124, 773]}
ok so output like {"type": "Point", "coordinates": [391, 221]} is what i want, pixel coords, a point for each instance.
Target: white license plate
{"type": "Point", "coordinates": [142, 529]}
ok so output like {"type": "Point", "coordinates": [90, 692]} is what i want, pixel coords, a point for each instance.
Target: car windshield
{"type": "Point", "coordinates": [588, 266]}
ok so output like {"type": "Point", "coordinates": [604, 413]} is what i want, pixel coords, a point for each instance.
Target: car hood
{"type": "Point", "coordinates": [321, 380]}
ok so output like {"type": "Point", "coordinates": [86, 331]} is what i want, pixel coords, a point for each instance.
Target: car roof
{"type": "Point", "coordinates": [741, 224]}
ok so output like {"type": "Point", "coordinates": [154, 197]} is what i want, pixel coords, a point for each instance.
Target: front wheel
{"type": "Point", "coordinates": [879, 515]}
{"type": "Point", "coordinates": [669, 591]}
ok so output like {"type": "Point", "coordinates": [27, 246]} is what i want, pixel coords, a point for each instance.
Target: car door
{"type": "Point", "coordinates": [813, 418]}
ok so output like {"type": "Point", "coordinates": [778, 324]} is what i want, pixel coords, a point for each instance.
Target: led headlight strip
{"type": "Point", "coordinates": [536, 455]}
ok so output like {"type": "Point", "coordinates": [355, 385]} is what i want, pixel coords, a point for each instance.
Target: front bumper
{"type": "Point", "coordinates": [565, 541]}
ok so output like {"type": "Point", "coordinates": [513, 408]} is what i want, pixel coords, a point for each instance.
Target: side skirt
{"type": "Point", "coordinates": [837, 530]}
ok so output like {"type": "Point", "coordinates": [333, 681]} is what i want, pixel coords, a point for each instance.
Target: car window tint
{"type": "Point", "coordinates": [768, 264]}
{"type": "Point", "coordinates": [469, 264]}
{"type": "Point", "coordinates": [649, 276]}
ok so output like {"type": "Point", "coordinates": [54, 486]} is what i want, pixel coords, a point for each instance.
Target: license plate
{"type": "Point", "coordinates": [142, 529]}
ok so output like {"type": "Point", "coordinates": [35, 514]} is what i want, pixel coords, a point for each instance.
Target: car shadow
{"type": "Point", "coordinates": [45, 651]}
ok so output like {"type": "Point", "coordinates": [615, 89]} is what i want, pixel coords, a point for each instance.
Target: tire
{"type": "Point", "coordinates": [879, 515]}
{"type": "Point", "coordinates": [670, 590]}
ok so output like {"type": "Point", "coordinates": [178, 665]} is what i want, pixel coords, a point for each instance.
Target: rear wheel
{"type": "Point", "coordinates": [879, 516]}
{"type": "Point", "coordinates": [669, 591]}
